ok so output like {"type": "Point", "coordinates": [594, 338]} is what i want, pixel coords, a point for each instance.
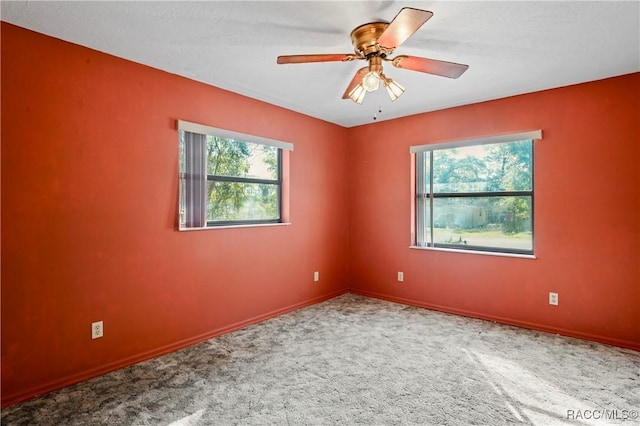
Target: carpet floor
{"type": "Point", "coordinates": [359, 361]}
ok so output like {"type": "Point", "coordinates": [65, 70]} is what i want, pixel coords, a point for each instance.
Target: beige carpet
{"type": "Point", "coordinates": [353, 360]}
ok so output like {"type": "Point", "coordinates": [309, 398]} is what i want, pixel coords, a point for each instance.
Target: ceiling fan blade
{"type": "Point", "coordinates": [355, 81]}
{"type": "Point", "coordinates": [406, 22]}
{"type": "Point", "coordinates": [301, 59]}
{"type": "Point", "coordinates": [429, 66]}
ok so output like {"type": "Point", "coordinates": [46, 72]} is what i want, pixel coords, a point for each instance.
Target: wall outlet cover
{"type": "Point", "coordinates": [97, 330]}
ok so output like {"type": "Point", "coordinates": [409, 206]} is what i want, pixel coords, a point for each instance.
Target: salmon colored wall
{"type": "Point", "coordinates": [587, 220]}
{"type": "Point", "coordinates": [89, 194]}
{"type": "Point", "coordinates": [89, 190]}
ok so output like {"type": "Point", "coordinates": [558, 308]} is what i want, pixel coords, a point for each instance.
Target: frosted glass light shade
{"type": "Point", "coordinates": [357, 94]}
{"type": "Point", "coordinates": [371, 81]}
{"type": "Point", "coordinates": [394, 90]}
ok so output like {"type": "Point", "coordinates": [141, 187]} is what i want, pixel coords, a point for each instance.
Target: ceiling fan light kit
{"type": "Point", "coordinates": [357, 94]}
{"type": "Point", "coordinates": [394, 89]}
{"type": "Point", "coordinates": [371, 80]}
{"type": "Point", "coordinates": [374, 43]}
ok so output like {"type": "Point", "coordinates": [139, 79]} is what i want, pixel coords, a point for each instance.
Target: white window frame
{"type": "Point", "coordinates": [417, 227]}
{"type": "Point", "coordinates": [196, 206]}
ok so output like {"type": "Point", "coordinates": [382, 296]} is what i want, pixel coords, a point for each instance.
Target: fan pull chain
{"type": "Point", "coordinates": [375, 114]}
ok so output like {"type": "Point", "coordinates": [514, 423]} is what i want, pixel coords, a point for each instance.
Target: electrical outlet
{"type": "Point", "coordinates": [97, 330]}
{"type": "Point", "coordinates": [553, 299]}
{"type": "Point", "coordinates": [400, 276]}
{"type": "Point", "coordinates": [316, 276]}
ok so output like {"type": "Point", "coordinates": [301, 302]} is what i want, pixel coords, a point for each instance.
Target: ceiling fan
{"type": "Point", "coordinates": [375, 42]}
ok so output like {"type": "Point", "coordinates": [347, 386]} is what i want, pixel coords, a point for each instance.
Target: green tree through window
{"type": "Point", "coordinates": [241, 183]}
{"type": "Point", "coordinates": [476, 197]}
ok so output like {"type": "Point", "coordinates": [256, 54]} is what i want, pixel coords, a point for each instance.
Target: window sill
{"type": "Point", "coordinates": [249, 225]}
{"type": "Point", "coordinates": [484, 253]}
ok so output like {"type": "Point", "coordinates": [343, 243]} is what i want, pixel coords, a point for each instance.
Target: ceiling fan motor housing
{"type": "Point", "coordinates": [365, 38]}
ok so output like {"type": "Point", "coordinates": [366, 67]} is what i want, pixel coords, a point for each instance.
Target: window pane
{"type": "Point", "coordinates": [233, 201]}
{"type": "Point", "coordinates": [423, 226]}
{"type": "Point", "coordinates": [228, 157]}
{"type": "Point", "coordinates": [483, 168]}
{"type": "Point", "coordinates": [492, 222]}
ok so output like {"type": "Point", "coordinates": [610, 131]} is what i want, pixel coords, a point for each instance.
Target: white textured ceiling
{"type": "Point", "coordinates": [512, 47]}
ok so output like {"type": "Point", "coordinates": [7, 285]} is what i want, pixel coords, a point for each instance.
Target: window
{"type": "Point", "coordinates": [476, 195]}
{"type": "Point", "coordinates": [228, 178]}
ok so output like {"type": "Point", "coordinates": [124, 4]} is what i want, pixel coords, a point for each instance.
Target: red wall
{"type": "Point", "coordinates": [587, 219]}
{"type": "Point", "coordinates": [89, 195]}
